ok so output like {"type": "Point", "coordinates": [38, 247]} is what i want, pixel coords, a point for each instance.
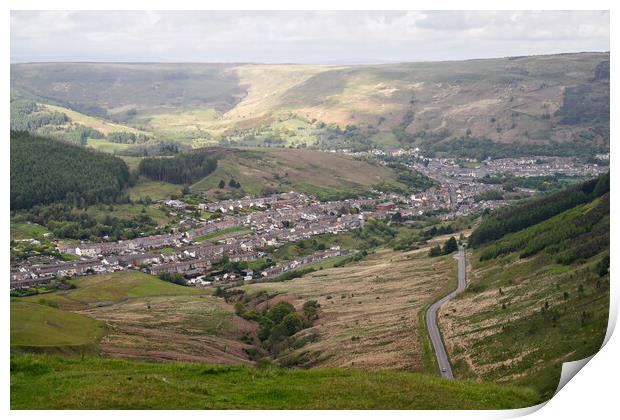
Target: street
{"type": "Point", "coordinates": [431, 317]}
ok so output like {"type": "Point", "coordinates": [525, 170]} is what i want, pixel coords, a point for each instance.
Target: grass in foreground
{"type": "Point", "coordinates": [98, 383]}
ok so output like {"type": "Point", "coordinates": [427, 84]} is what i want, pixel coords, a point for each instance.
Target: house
{"type": "Point", "coordinates": [176, 204]}
{"type": "Point", "coordinates": [385, 206]}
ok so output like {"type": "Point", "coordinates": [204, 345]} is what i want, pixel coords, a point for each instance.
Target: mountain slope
{"type": "Point", "coordinates": [537, 296]}
{"type": "Point", "coordinates": [529, 100]}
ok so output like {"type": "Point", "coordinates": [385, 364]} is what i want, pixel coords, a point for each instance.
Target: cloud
{"type": "Point", "coordinates": [304, 37]}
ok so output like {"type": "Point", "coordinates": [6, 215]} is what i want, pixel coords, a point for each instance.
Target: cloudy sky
{"type": "Point", "coordinates": [300, 37]}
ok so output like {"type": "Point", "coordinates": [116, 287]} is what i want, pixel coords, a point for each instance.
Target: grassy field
{"type": "Point", "coordinates": [369, 310]}
{"type": "Point", "coordinates": [195, 119]}
{"type": "Point", "coordinates": [197, 328]}
{"type": "Point", "coordinates": [113, 288]}
{"type": "Point", "coordinates": [27, 231]}
{"type": "Point", "coordinates": [106, 146]}
{"type": "Point", "coordinates": [132, 162]}
{"type": "Point", "coordinates": [314, 172]}
{"type": "Point", "coordinates": [128, 211]}
{"type": "Point", "coordinates": [97, 383]}
{"type": "Point", "coordinates": [154, 189]}
{"type": "Point", "coordinates": [38, 327]}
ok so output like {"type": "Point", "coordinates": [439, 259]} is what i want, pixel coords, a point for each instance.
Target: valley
{"type": "Point", "coordinates": [261, 236]}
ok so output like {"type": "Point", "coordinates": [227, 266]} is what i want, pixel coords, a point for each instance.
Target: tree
{"type": "Point", "coordinates": [310, 309]}
{"type": "Point", "coordinates": [279, 311]}
{"type": "Point", "coordinates": [292, 323]}
{"type": "Point", "coordinates": [435, 251]}
{"type": "Point", "coordinates": [603, 266]}
{"type": "Point", "coordinates": [450, 246]}
{"type": "Point", "coordinates": [183, 168]}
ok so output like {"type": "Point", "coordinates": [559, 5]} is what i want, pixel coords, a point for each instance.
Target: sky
{"type": "Point", "coordinates": [352, 37]}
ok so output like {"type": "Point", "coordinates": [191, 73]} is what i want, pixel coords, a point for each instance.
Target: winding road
{"type": "Point", "coordinates": [431, 317]}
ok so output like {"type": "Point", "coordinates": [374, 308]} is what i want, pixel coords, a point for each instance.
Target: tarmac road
{"type": "Point", "coordinates": [431, 317]}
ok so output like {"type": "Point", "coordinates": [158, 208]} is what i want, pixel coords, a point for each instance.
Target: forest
{"type": "Point", "coordinates": [184, 168]}
{"type": "Point", "coordinates": [483, 148]}
{"type": "Point", "coordinates": [46, 171]}
{"type": "Point", "coordinates": [520, 216]}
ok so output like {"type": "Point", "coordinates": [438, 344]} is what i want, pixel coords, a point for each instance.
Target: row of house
{"type": "Point", "coordinates": [279, 269]}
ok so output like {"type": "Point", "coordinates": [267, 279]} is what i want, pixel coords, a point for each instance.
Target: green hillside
{"type": "Point", "coordinates": [40, 327]}
{"type": "Point", "coordinates": [112, 288]}
{"type": "Point", "coordinates": [539, 294]}
{"type": "Point", "coordinates": [97, 383]}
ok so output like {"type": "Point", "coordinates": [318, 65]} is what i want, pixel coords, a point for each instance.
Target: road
{"type": "Point", "coordinates": [431, 317]}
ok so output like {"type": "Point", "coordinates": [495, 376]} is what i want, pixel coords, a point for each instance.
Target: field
{"type": "Point", "coordinates": [154, 189]}
{"type": "Point", "coordinates": [106, 289]}
{"type": "Point", "coordinates": [144, 318]}
{"type": "Point", "coordinates": [27, 231]}
{"type": "Point", "coordinates": [37, 327]}
{"type": "Point", "coordinates": [181, 327]}
{"type": "Point", "coordinates": [369, 310]}
{"type": "Point", "coordinates": [97, 383]}
{"type": "Point", "coordinates": [98, 124]}
{"type": "Point", "coordinates": [224, 233]}
{"type": "Point", "coordinates": [129, 211]}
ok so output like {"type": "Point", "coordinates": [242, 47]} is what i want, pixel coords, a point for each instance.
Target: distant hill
{"type": "Point", "coordinates": [325, 175]}
{"type": "Point", "coordinates": [538, 292]}
{"type": "Point", "coordinates": [525, 100]}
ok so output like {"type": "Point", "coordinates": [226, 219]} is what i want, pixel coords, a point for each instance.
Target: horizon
{"type": "Point", "coordinates": [336, 64]}
{"type": "Point", "coordinates": [295, 37]}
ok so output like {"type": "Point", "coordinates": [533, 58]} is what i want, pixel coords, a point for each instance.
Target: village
{"type": "Point", "coordinates": [276, 220]}
{"type": "Point", "coordinates": [245, 228]}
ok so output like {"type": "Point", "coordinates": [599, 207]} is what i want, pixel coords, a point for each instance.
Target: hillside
{"type": "Point", "coordinates": [538, 295]}
{"type": "Point", "coordinates": [97, 383]}
{"type": "Point", "coordinates": [144, 318]}
{"type": "Point", "coordinates": [326, 175]}
{"type": "Point", "coordinates": [45, 171]}
{"type": "Point", "coordinates": [40, 328]}
{"type": "Point", "coordinates": [358, 328]}
{"type": "Point", "coordinates": [551, 99]}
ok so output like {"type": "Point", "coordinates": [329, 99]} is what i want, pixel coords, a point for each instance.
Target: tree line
{"type": "Point", "coordinates": [515, 218]}
{"type": "Point", "coordinates": [184, 168]}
